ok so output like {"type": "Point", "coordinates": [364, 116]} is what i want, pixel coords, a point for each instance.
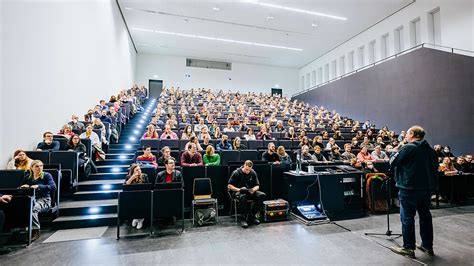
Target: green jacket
{"type": "Point", "coordinates": [213, 160]}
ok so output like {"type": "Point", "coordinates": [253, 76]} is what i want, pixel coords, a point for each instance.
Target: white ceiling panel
{"type": "Point", "coordinates": [194, 29]}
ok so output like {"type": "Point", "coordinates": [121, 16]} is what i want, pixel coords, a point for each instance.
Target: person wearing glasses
{"type": "Point", "coordinates": [48, 144]}
{"type": "Point", "coordinates": [170, 174]}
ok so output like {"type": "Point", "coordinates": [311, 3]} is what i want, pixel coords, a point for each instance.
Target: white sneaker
{"type": "Point", "coordinates": [135, 222]}
{"type": "Point", "coordinates": [140, 223]}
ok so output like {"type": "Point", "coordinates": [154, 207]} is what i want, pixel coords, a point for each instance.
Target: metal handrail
{"type": "Point", "coordinates": [422, 45]}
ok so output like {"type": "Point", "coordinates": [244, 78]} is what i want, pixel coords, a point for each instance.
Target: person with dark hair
{"type": "Point", "coordinates": [244, 185]}
{"type": "Point", "coordinates": [224, 144]}
{"type": "Point", "coordinates": [416, 169]}
{"type": "Point", "coordinates": [169, 174]}
{"type": "Point", "coordinates": [165, 154]}
{"type": "Point", "coordinates": [44, 186]}
{"type": "Point", "coordinates": [20, 161]}
{"type": "Point", "coordinates": [135, 176]}
{"type": "Point", "coordinates": [270, 155]}
{"type": "Point", "coordinates": [446, 152]}
{"type": "Point", "coordinates": [237, 144]}
{"type": "Point", "coordinates": [318, 156]}
{"type": "Point", "coordinates": [264, 134]}
{"type": "Point", "coordinates": [335, 154]}
{"type": "Point", "coordinates": [48, 144]}
{"type": "Point", "coordinates": [147, 158]}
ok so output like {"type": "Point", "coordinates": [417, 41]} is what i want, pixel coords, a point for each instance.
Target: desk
{"type": "Point", "coordinates": [341, 188]}
{"type": "Point", "coordinates": [455, 187]}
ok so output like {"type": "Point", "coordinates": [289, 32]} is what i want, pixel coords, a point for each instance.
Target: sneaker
{"type": "Point", "coordinates": [244, 224]}
{"type": "Point", "coordinates": [425, 250]}
{"type": "Point", "coordinates": [255, 220]}
{"type": "Point", "coordinates": [404, 251]}
{"type": "Point", "coordinates": [134, 222]}
{"type": "Point", "coordinates": [140, 223]}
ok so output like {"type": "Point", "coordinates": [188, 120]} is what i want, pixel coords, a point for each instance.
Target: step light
{"type": "Point", "coordinates": [136, 132]}
{"type": "Point", "coordinates": [123, 157]}
{"type": "Point", "coordinates": [128, 147]}
{"type": "Point", "coordinates": [106, 187]}
{"type": "Point", "coordinates": [94, 210]}
{"type": "Point", "coordinates": [132, 139]}
{"type": "Point", "coordinates": [115, 169]}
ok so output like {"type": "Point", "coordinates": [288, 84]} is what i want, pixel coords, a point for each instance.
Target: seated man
{"type": "Point", "coordinates": [205, 141]}
{"type": "Point", "coordinates": [224, 144]}
{"type": "Point", "coordinates": [147, 158]}
{"type": "Point", "coordinates": [48, 144]}
{"type": "Point", "coordinates": [169, 174]}
{"type": "Point", "coordinates": [364, 155]}
{"type": "Point", "coordinates": [270, 155]}
{"type": "Point", "coordinates": [378, 154]}
{"type": "Point", "coordinates": [366, 143]}
{"type": "Point", "coordinates": [318, 155]}
{"type": "Point", "coordinates": [347, 155]}
{"type": "Point", "coordinates": [244, 185]}
{"type": "Point", "coordinates": [191, 157]}
{"type": "Point", "coordinates": [75, 124]}
{"type": "Point", "coordinates": [165, 154]}
{"type": "Point", "coordinates": [198, 127]}
{"type": "Point", "coordinates": [168, 134]}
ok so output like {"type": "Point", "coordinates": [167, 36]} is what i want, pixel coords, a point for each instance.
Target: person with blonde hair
{"type": "Point", "coordinates": [211, 158]}
{"type": "Point", "coordinates": [44, 186]}
{"type": "Point", "coordinates": [20, 161]}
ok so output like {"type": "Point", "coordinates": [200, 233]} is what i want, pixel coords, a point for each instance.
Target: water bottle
{"type": "Point", "coordinates": [298, 163]}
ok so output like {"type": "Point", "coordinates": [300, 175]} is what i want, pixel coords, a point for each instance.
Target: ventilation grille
{"type": "Point", "coordinates": [208, 64]}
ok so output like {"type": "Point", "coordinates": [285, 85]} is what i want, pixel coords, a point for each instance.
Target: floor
{"type": "Point", "coordinates": [285, 243]}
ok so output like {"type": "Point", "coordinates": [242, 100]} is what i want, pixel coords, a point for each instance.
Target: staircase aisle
{"type": "Point", "coordinates": [95, 202]}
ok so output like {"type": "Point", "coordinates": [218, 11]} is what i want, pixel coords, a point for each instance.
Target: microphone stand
{"type": "Point", "coordinates": [388, 232]}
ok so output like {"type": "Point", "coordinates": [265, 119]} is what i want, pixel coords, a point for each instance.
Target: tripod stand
{"type": "Point", "coordinates": [388, 189]}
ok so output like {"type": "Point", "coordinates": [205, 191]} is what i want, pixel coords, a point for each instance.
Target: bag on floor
{"type": "Point", "coordinates": [205, 216]}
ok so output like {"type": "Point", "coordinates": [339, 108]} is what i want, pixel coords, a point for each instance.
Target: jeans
{"type": "Point", "coordinates": [412, 201]}
{"type": "Point", "coordinates": [40, 205]}
{"type": "Point", "coordinates": [243, 205]}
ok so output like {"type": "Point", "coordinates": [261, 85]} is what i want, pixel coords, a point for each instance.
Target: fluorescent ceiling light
{"type": "Point", "coordinates": [218, 39]}
{"type": "Point", "coordinates": [216, 8]}
{"type": "Point", "coordinates": [295, 10]}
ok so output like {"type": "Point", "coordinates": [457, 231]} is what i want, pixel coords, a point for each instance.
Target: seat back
{"type": "Point", "coordinates": [255, 144]}
{"type": "Point", "coordinates": [18, 212]}
{"type": "Point", "coordinates": [229, 156]}
{"type": "Point", "coordinates": [62, 143]}
{"type": "Point", "coordinates": [134, 204]}
{"type": "Point", "coordinates": [39, 155]}
{"type": "Point", "coordinates": [55, 197]}
{"type": "Point", "coordinates": [168, 203]}
{"type": "Point", "coordinates": [11, 179]}
{"type": "Point", "coordinates": [150, 171]}
{"type": "Point", "coordinates": [153, 143]}
{"type": "Point", "coordinates": [69, 162]}
{"type": "Point", "coordinates": [88, 144]}
{"type": "Point", "coordinates": [202, 188]}
{"type": "Point", "coordinates": [249, 155]}
{"type": "Point", "coordinates": [172, 143]}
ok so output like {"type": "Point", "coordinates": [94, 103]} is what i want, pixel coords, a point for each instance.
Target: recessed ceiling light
{"type": "Point", "coordinates": [216, 8]}
{"type": "Point", "coordinates": [314, 24]}
{"type": "Point", "coordinates": [219, 39]}
{"type": "Point", "coordinates": [270, 17]}
{"type": "Point", "coordinates": [295, 10]}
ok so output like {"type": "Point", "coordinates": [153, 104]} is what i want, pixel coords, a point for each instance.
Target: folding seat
{"type": "Point", "coordinates": [153, 143]}
{"type": "Point", "coordinates": [189, 173]}
{"type": "Point", "coordinates": [88, 144]}
{"type": "Point", "coordinates": [56, 174]}
{"type": "Point", "coordinates": [182, 144]}
{"type": "Point", "coordinates": [63, 143]}
{"type": "Point", "coordinates": [168, 201]}
{"type": "Point", "coordinates": [151, 172]}
{"type": "Point", "coordinates": [249, 155]}
{"type": "Point", "coordinates": [11, 179]}
{"type": "Point", "coordinates": [69, 166]}
{"type": "Point", "coordinates": [229, 156]}
{"type": "Point", "coordinates": [172, 143]}
{"type": "Point", "coordinates": [254, 144]}
{"type": "Point", "coordinates": [232, 135]}
{"type": "Point", "coordinates": [219, 176]}
{"type": "Point", "coordinates": [287, 143]}
{"type": "Point", "coordinates": [134, 203]}
{"type": "Point", "coordinates": [39, 155]}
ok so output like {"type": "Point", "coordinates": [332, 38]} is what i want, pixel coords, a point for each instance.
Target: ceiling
{"type": "Point", "coordinates": [270, 32]}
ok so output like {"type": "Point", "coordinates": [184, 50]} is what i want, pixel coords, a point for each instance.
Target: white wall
{"type": "Point", "coordinates": [244, 77]}
{"type": "Point", "coordinates": [457, 30]}
{"type": "Point", "coordinates": [58, 58]}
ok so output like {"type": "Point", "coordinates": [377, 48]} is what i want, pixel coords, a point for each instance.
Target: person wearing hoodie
{"type": "Point", "coordinates": [416, 165]}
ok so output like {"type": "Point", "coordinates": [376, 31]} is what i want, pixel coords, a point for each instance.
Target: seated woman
{"type": "Point", "coordinates": [319, 157]}
{"type": "Point", "coordinates": [44, 186]}
{"type": "Point", "coordinates": [66, 131]}
{"type": "Point", "coordinates": [318, 141]}
{"type": "Point", "coordinates": [194, 140]}
{"type": "Point", "coordinates": [95, 141]}
{"type": "Point", "coordinates": [20, 161]}
{"type": "Point", "coordinates": [229, 127]}
{"type": "Point", "coordinates": [250, 135]}
{"type": "Point", "coordinates": [97, 124]}
{"type": "Point", "coordinates": [364, 155]}
{"type": "Point", "coordinates": [211, 158]}
{"type": "Point", "coordinates": [284, 157]}
{"type": "Point", "coordinates": [217, 133]}
{"type": "Point", "coordinates": [187, 133]}
{"type": "Point", "coordinates": [305, 141]}
{"type": "Point", "coordinates": [147, 158]}
{"type": "Point", "coordinates": [135, 176]}
{"type": "Point", "coordinates": [237, 145]}
{"type": "Point", "coordinates": [151, 133]}
{"type": "Point", "coordinates": [291, 134]}
{"type": "Point", "coordinates": [447, 167]}
{"type": "Point", "coordinates": [75, 144]}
